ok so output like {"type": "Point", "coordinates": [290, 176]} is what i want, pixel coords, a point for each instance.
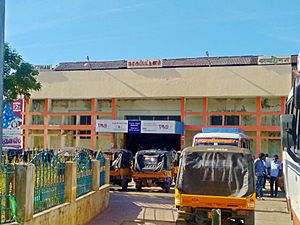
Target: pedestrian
{"type": "Point", "coordinates": [260, 172]}
{"type": "Point", "coordinates": [267, 165]}
{"type": "Point", "coordinates": [275, 172]}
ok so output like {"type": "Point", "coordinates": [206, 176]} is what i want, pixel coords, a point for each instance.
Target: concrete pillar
{"type": "Point", "coordinates": [24, 191]}
{"type": "Point", "coordinates": [95, 175]}
{"type": "Point", "coordinates": [70, 182]}
{"type": "Point", "coordinates": [107, 170]}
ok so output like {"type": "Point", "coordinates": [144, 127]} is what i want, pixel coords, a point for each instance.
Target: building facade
{"type": "Point", "coordinates": [247, 92]}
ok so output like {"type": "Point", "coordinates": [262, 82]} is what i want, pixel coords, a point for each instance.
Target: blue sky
{"type": "Point", "coordinates": [53, 31]}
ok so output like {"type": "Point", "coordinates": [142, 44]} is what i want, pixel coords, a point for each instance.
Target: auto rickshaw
{"type": "Point", "coordinates": [120, 166]}
{"type": "Point", "coordinates": [215, 178]}
{"type": "Point", "coordinates": [152, 168]}
{"type": "Point", "coordinates": [176, 165]}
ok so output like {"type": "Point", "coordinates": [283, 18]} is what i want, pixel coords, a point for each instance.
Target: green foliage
{"type": "Point", "coordinates": [20, 77]}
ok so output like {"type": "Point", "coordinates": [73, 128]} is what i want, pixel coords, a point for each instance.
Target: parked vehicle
{"type": "Point", "coordinates": [222, 136]}
{"type": "Point", "coordinates": [120, 166]}
{"type": "Point", "coordinates": [152, 168]}
{"type": "Point", "coordinates": [215, 177]}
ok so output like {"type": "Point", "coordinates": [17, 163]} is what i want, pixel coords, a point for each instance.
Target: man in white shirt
{"type": "Point", "coordinates": [275, 172]}
{"type": "Point", "coordinates": [268, 166]}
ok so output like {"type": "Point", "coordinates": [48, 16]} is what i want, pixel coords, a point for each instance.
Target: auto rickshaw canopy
{"type": "Point", "coordinates": [216, 171]}
{"type": "Point", "coordinates": [152, 160]}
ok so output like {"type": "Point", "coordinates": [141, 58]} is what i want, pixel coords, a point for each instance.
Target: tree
{"type": "Point", "coordinates": [20, 77]}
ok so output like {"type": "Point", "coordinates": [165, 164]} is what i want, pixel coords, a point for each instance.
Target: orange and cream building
{"type": "Point", "coordinates": [247, 92]}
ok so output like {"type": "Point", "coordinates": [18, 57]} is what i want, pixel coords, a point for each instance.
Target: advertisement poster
{"type": "Point", "coordinates": [12, 122]}
{"type": "Point", "coordinates": [160, 127]}
{"type": "Point", "coordinates": [112, 126]}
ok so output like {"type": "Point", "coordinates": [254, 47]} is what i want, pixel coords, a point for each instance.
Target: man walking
{"type": "Point", "coordinates": [275, 172]}
{"type": "Point", "coordinates": [260, 172]}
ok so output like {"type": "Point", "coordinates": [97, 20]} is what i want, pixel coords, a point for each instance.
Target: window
{"type": "Point", "coordinates": [194, 105]}
{"type": "Point", "coordinates": [84, 132]}
{"type": "Point", "coordinates": [37, 105]}
{"type": "Point", "coordinates": [70, 120]}
{"type": "Point", "coordinates": [248, 120]}
{"type": "Point", "coordinates": [37, 120]}
{"type": "Point", "coordinates": [194, 120]}
{"type": "Point", "coordinates": [270, 120]}
{"type": "Point", "coordinates": [70, 105]}
{"type": "Point", "coordinates": [232, 120]}
{"type": "Point", "coordinates": [270, 104]}
{"type": "Point", "coordinates": [103, 105]}
{"type": "Point", "coordinates": [55, 120]}
{"type": "Point", "coordinates": [231, 104]}
{"type": "Point", "coordinates": [85, 120]}
{"type": "Point", "coordinates": [215, 120]}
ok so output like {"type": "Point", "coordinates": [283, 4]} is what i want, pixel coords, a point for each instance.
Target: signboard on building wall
{"type": "Point", "coordinates": [139, 127]}
{"type": "Point", "coordinates": [12, 122]}
{"type": "Point", "coordinates": [273, 60]}
{"type": "Point", "coordinates": [146, 63]}
{"type": "Point", "coordinates": [112, 126]}
{"type": "Point", "coordinates": [160, 127]}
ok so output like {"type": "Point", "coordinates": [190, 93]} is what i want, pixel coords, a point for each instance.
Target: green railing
{"type": "Point", "coordinates": [84, 173]}
{"type": "Point", "coordinates": [7, 188]}
{"type": "Point", "coordinates": [49, 181]}
{"type": "Point", "coordinates": [101, 159]}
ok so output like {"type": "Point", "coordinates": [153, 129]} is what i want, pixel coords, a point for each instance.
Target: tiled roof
{"type": "Point", "coordinates": [166, 63]}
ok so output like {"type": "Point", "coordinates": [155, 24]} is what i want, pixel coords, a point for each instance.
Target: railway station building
{"type": "Point", "coordinates": [161, 103]}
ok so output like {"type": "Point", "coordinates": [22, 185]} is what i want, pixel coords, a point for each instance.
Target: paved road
{"type": "Point", "coordinates": [154, 207]}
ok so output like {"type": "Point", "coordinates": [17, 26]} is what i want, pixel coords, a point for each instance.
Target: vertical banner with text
{"type": "Point", "coordinates": [12, 122]}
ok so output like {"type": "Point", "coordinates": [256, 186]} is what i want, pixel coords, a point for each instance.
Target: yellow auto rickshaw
{"type": "Point", "coordinates": [152, 168]}
{"type": "Point", "coordinates": [215, 177]}
{"type": "Point", "coordinates": [120, 166]}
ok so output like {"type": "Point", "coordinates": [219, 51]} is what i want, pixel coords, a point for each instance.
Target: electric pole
{"type": "Point", "coordinates": [2, 27]}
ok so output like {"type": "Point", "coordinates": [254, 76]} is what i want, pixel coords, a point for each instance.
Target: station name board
{"type": "Point", "coordinates": [147, 63]}
{"type": "Point", "coordinates": [138, 127]}
{"type": "Point", "coordinates": [263, 60]}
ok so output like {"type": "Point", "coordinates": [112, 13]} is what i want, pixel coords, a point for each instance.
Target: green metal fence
{"type": "Point", "coordinates": [49, 181]}
{"type": "Point", "coordinates": [84, 173]}
{"type": "Point", "coordinates": [101, 159]}
{"type": "Point", "coordinates": [7, 190]}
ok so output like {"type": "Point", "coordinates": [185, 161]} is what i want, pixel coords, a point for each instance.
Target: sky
{"type": "Point", "coordinates": [53, 31]}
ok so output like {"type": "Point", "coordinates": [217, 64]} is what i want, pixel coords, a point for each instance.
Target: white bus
{"type": "Point", "coordinates": [290, 139]}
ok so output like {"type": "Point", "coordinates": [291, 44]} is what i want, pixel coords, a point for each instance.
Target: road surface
{"type": "Point", "coordinates": [152, 206]}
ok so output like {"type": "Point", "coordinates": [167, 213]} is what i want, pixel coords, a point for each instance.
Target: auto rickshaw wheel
{"type": "Point", "coordinates": [250, 220]}
{"type": "Point", "coordinates": [167, 188]}
{"type": "Point", "coordinates": [124, 184]}
{"type": "Point", "coordinates": [138, 186]}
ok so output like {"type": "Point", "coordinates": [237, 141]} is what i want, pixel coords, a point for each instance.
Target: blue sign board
{"type": "Point", "coordinates": [134, 126]}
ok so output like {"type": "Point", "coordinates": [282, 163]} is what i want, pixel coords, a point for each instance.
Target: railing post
{"type": "Point", "coordinates": [24, 191]}
{"type": "Point", "coordinates": [70, 182]}
{"type": "Point", "coordinates": [95, 175]}
{"type": "Point", "coordinates": [107, 170]}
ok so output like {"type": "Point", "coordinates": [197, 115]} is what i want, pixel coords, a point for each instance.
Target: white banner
{"type": "Point", "coordinates": [160, 127]}
{"type": "Point", "coordinates": [112, 126]}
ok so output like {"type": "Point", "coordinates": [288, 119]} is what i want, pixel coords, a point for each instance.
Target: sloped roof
{"type": "Point", "coordinates": [166, 63]}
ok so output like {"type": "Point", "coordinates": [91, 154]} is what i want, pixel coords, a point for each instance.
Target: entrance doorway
{"type": "Point", "coordinates": [135, 142]}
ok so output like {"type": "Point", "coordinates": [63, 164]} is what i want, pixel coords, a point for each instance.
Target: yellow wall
{"type": "Point", "coordinates": [268, 80]}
